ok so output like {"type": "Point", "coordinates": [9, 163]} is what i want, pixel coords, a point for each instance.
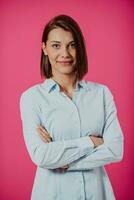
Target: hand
{"type": "Point", "coordinates": [44, 134]}
{"type": "Point", "coordinates": [46, 138]}
{"type": "Point", "coordinates": [62, 169]}
{"type": "Point", "coordinates": [97, 140]}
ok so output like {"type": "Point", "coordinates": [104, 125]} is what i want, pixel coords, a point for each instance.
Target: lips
{"type": "Point", "coordinates": [65, 62]}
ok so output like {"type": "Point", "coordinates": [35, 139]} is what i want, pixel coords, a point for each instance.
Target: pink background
{"type": "Point", "coordinates": [109, 33]}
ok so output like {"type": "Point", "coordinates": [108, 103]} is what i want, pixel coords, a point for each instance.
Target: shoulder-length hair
{"type": "Point", "coordinates": [68, 24]}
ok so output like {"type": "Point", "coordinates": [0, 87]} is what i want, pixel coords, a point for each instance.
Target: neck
{"type": "Point", "coordinates": [67, 82]}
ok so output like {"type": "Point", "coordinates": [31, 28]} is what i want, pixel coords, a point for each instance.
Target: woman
{"type": "Point", "coordinates": [70, 125]}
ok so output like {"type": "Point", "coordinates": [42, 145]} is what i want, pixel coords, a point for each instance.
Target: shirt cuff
{"type": "Point", "coordinates": [85, 144]}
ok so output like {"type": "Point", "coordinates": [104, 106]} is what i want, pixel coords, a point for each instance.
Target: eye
{"type": "Point", "coordinates": [73, 45]}
{"type": "Point", "coordinates": [56, 46]}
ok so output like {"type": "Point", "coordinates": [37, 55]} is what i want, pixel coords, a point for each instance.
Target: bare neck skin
{"type": "Point", "coordinates": [66, 82]}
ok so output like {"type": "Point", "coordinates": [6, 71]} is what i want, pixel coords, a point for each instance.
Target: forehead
{"type": "Point", "coordinates": [59, 34]}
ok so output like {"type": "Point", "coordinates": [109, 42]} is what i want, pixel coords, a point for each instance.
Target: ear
{"type": "Point", "coordinates": [44, 48]}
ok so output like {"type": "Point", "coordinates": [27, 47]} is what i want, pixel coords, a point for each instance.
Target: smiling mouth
{"type": "Point", "coordinates": [65, 62]}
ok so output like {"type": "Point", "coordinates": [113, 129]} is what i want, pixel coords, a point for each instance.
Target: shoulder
{"type": "Point", "coordinates": [102, 91]}
{"type": "Point", "coordinates": [30, 93]}
{"type": "Point", "coordinates": [91, 85]}
{"type": "Point", "coordinates": [99, 88]}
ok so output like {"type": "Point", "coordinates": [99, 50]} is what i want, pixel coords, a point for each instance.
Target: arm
{"type": "Point", "coordinates": [48, 155]}
{"type": "Point", "coordinates": [47, 139]}
{"type": "Point", "coordinates": [112, 148]}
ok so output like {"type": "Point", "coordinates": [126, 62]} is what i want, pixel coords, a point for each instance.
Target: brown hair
{"type": "Point", "coordinates": [68, 24]}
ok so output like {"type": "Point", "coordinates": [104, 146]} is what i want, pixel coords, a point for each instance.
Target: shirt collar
{"type": "Point", "coordinates": [50, 85]}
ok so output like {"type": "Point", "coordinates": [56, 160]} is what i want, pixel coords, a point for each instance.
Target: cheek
{"type": "Point", "coordinates": [73, 53]}
{"type": "Point", "coordinates": [52, 57]}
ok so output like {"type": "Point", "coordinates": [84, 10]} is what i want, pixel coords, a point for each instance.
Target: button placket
{"type": "Point", "coordinates": [75, 108]}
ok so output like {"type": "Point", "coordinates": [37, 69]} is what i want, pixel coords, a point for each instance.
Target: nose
{"type": "Point", "coordinates": [65, 52]}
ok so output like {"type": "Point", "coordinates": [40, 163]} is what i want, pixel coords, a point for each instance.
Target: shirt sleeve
{"type": "Point", "coordinates": [112, 148]}
{"type": "Point", "coordinates": [48, 155]}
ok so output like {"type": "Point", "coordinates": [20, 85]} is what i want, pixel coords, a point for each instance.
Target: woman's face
{"type": "Point", "coordinates": [61, 51]}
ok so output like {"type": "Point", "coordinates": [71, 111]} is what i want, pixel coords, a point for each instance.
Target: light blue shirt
{"type": "Point", "coordinates": [91, 111]}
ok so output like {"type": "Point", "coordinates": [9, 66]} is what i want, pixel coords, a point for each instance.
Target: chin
{"type": "Point", "coordinates": [67, 71]}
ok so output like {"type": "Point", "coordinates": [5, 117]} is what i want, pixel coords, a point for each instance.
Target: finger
{"type": "Point", "coordinates": [64, 167]}
{"type": "Point", "coordinates": [46, 141]}
{"type": "Point", "coordinates": [64, 170]}
{"type": "Point", "coordinates": [44, 136]}
{"type": "Point", "coordinates": [42, 132]}
{"type": "Point", "coordinates": [97, 136]}
{"type": "Point", "coordinates": [43, 129]}
{"type": "Point", "coordinates": [61, 170]}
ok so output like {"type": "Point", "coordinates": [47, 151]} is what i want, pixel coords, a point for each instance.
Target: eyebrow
{"type": "Point", "coordinates": [60, 42]}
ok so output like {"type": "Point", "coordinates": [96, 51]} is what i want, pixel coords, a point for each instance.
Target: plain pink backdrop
{"type": "Point", "coordinates": [108, 29]}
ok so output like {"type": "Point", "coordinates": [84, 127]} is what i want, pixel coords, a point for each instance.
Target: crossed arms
{"type": "Point", "coordinates": [78, 154]}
